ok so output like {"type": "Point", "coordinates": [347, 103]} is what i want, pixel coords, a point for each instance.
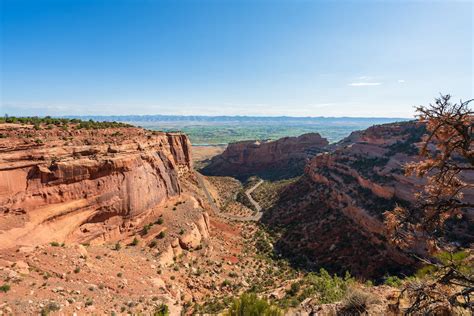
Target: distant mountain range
{"type": "Point", "coordinates": [242, 119]}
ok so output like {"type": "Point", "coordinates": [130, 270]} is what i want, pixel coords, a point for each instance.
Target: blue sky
{"type": "Point", "coordinates": [297, 58]}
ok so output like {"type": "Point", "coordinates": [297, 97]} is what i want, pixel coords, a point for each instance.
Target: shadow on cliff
{"type": "Point", "coordinates": [274, 172]}
{"type": "Point", "coordinates": [313, 234]}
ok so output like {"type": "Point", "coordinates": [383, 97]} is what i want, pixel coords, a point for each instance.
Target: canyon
{"type": "Point", "coordinates": [333, 216]}
{"type": "Point", "coordinates": [101, 219]}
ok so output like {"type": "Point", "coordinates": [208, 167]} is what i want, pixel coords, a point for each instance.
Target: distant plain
{"type": "Point", "coordinates": [205, 131]}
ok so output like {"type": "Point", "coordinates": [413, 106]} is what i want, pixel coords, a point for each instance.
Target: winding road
{"type": "Point", "coordinates": [258, 214]}
{"type": "Point", "coordinates": [252, 218]}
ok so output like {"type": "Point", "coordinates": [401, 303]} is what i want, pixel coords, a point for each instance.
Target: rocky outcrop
{"type": "Point", "coordinates": [333, 216]}
{"type": "Point", "coordinates": [78, 185]}
{"type": "Point", "coordinates": [282, 158]}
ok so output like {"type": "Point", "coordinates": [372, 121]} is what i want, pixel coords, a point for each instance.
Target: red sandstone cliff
{"type": "Point", "coordinates": [285, 157]}
{"type": "Point", "coordinates": [333, 216]}
{"type": "Point", "coordinates": [83, 185]}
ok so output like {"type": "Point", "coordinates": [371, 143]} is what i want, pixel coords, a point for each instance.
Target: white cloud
{"type": "Point", "coordinates": [401, 81]}
{"type": "Point", "coordinates": [363, 84]}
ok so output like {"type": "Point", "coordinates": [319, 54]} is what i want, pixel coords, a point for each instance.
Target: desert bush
{"type": "Point", "coordinates": [357, 301]}
{"type": "Point", "coordinates": [251, 305]}
{"type": "Point", "coordinates": [135, 241]}
{"type": "Point", "coordinates": [393, 281]}
{"type": "Point", "coordinates": [5, 288]}
{"type": "Point", "coordinates": [51, 307]}
{"type": "Point", "coordinates": [161, 310]}
{"type": "Point", "coordinates": [329, 288]}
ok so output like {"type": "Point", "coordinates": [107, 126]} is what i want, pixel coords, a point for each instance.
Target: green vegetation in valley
{"type": "Point", "coordinates": [224, 134]}
{"type": "Point", "coordinates": [268, 192]}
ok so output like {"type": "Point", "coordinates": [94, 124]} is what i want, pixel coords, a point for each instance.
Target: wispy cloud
{"type": "Point", "coordinates": [364, 84]}
{"type": "Point", "coordinates": [401, 81]}
{"type": "Point", "coordinates": [321, 105]}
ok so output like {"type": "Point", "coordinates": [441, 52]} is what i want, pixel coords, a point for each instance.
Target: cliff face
{"type": "Point", "coordinates": [333, 216]}
{"type": "Point", "coordinates": [82, 185]}
{"type": "Point", "coordinates": [283, 158]}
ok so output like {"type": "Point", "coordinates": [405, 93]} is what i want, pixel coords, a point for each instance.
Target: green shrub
{"type": "Point", "coordinates": [135, 241]}
{"type": "Point", "coordinates": [161, 235]}
{"type": "Point", "coordinates": [327, 288]}
{"type": "Point", "coordinates": [55, 244]}
{"type": "Point", "coordinates": [159, 221]}
{"type": "Point", "coordinates": [251, 305]}
{"type": "Point", "coordinates": [226, 283]}
{"type": "Point", "coordinates": [117, 246]}
{"type": "Point", "coordinates": [5, 288]}
{"type": "Point", "coordinates": [393, 281]}
{"type": "Point", "coordinates": [161, 310]}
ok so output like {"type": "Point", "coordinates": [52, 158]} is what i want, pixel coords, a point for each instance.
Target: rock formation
{"type": "Point", "coordinates": [333, 216]}
{"type": "Point", "coordinates": [83, 185]}
{"type": "Point", "coordinates": [282, 158]}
